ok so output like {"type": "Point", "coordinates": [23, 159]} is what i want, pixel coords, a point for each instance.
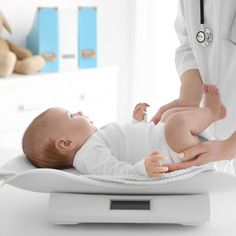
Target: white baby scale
{"type": "Point", "coordinates": [77, 198]}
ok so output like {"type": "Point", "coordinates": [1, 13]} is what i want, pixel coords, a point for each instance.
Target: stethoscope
{"type": "Point", "coordinates": [204, 36]}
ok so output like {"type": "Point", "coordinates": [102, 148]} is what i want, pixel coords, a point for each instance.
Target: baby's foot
{"type": "Point", "coordinates": [213, 101]}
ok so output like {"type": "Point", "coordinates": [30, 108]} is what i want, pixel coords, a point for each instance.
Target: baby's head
{"type": "Point", "coordinates": [53, 138]}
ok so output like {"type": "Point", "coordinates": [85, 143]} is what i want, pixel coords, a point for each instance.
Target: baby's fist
{"type": "Point", "coordinates": [140, 111]}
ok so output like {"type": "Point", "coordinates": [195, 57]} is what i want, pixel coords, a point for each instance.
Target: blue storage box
{"type": "Point", "coordinates": [43, 38]}
{"type": "Point", "coordinates": [87, 45]}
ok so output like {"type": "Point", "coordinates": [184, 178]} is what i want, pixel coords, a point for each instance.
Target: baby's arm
{"type": "Point", "coordinates": [100, 161]}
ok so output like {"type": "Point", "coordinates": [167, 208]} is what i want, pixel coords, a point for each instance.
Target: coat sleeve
{"type": "Point", "coordinates": [184, 57]}
{"type": "Point", "coordinates": [100, 161]}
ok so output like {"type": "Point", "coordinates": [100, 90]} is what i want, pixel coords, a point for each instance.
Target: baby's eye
{"type": "Point", "coordinates": [71, 115]}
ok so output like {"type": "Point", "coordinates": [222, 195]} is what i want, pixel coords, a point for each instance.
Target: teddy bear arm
{"type": "Point", "coordinates": [21, 53]}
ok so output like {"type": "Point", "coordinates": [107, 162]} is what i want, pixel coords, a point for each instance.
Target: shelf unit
{"type": "Point", "coordinates": [92, 91]}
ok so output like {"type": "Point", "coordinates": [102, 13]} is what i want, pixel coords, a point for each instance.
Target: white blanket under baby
{"type": "Point", "coordinates": [178, 197]}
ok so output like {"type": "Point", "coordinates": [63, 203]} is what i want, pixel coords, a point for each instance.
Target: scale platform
{"type": "Point", "coordinates": [67, 208]}
{"type": "Point", "coordinates": [80, 199]}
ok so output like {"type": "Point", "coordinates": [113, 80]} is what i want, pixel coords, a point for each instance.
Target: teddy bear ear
{"type": "Point", "coordinates": [4, 22]}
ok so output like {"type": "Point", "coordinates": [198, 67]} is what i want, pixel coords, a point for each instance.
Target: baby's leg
{"type": "Point", "coordinates": [169, 112]}
{"type": "Point", "coordinates": [181, 128]}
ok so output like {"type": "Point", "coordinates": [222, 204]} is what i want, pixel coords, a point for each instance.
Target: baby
{"type": "Point", "coordinates": [60, 139]}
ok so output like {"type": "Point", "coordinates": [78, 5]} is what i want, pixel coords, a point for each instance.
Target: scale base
{"type": "Point", "coordinates": [73, 208]}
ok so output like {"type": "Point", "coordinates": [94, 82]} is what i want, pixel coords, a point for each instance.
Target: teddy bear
{"type": "Point", "coordinates": [16, 59]}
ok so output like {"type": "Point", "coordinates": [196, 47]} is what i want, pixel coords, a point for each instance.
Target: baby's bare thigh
{"type": "Point", "coordinates": [175, 110]}
{"type": "Point", "coordinates": [177, 134]}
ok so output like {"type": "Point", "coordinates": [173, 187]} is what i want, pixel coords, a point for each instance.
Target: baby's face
{"type": "Point", "coordinates": [71, 125]}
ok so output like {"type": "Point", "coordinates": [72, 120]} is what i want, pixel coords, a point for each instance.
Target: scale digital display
{"type": "Point", "coordinates": [129, 205]}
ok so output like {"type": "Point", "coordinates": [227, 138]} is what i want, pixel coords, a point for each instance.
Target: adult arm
{"type": "Point", "coordinates": [190, 93]}
{"type": "Point", "coordinates": [186, 64]}
{"type": "Point", "coordinates": [191, 90]}
{"type": "Point", "coordinates": [187, 68]}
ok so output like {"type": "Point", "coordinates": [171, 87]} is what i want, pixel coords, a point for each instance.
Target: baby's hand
{"type": "Point", "coordinates": [140, 111]}
{"type": "Point", "coordinates": [154, 166]}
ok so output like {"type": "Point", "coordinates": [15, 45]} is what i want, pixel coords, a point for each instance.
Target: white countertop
{"type": "Point", "coordinates": [24, 213]}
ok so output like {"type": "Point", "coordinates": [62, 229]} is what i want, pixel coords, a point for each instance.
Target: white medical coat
{"type": "Point", "coordinates": [217, 62]}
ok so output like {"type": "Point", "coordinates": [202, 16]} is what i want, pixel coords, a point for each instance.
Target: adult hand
{"type": "Point", "coordinates": [203, 153]}
{"type": "Point", "coordinates": [175, 103]}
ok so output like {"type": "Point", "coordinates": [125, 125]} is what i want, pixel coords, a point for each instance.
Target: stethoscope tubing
{"type": "Point", "coordinates": [202, 20]}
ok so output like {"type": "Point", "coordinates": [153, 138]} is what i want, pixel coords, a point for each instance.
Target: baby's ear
{"type": "Point", "coordinates": [64, 144]}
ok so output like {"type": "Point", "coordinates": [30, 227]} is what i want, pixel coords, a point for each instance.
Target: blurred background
{"type": "Point", "coordinates": [136, 36]}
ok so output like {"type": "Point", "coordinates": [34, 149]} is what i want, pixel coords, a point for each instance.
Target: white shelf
{"type": "Point", "coordinates": [16, 79]}
{"type": "Point", "coordinates": [24, 97]}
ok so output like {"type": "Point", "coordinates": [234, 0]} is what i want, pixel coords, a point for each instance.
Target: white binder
{"type": "Point", "coordinates": [68, 38]}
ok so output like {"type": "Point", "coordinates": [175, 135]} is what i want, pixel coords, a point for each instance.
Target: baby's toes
{"type": "Point", "coordinates": [210, 88]}
{"type": "Point", "coordinates": [217, 91]}
{"type": "Point", "coordinates": [205, 88]}
{"type": "Point", "coordinates": [214, 88]}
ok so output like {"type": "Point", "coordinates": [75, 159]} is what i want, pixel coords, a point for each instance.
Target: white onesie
{"type": "Point", "coordinates": [120, 149]}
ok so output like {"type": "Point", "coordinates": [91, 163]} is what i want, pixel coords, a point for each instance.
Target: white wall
{"type": "Point", "coordinates": [115, 32]}
{"type": "Point", "coordinates": [155, 79]}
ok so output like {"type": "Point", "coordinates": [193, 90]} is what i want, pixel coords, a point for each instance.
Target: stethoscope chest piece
{"type": "Point", "coordinates": [204, 36]}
